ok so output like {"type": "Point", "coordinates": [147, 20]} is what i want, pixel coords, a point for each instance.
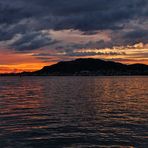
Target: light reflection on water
{"type": "Point", "coordinates": [73, 112]}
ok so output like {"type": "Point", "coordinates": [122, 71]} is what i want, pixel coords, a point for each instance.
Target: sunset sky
{"type": "Point", "coordinates": [34, 33]}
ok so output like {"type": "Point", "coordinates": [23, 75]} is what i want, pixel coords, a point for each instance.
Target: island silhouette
{"type": "Point", "coordinates": [87, 67]}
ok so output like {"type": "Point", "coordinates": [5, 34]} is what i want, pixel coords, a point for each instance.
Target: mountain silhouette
{"type": "Point", "coordinates": [87, 67]}
{"type": "Point", "coordinates": [90, 67]}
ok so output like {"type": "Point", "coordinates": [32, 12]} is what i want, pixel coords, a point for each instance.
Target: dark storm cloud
{"type": "Point", "coordinates": [84, 15]}
{"type": "Point", "coordinates": [10, 14]}
{"type": "Point", "coordinates": [88, 45]}
{"type": "Point", "coordinates": [128, 37]}
{"type": "Point", "coordinates": [29, 17]}
{"type": "Point", "coordinates": [31, 41]}
{"type": "Point", "coordinates": [136, 36]}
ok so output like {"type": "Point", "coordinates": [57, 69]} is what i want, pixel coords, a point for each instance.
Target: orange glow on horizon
{"type": "Point", "coordinates": [29, 67]}
{"type": "Point", "coordinates": [12, 62]}
{"type": "Point", "coordinates": [22, 67]}
{"type": "Point", "coordinates": [19, 62]}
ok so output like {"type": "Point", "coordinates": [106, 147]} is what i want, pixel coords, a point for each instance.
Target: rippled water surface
{"type": "Point", "coordinates": [73, 112]}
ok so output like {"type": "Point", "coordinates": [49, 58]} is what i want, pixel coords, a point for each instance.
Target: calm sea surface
{"type": "Point", "coordinates": [73, 112]}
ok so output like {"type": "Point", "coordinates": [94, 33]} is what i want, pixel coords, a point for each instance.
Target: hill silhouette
{"type": "Point", "coordinates": [90, 67]}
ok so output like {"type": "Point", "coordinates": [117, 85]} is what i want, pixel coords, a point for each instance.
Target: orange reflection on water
{"type": "Point", "coordinates": [108, 110]}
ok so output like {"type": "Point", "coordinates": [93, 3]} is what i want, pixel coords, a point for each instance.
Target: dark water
{"type": "Point", "coordinates": [73, 112]}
